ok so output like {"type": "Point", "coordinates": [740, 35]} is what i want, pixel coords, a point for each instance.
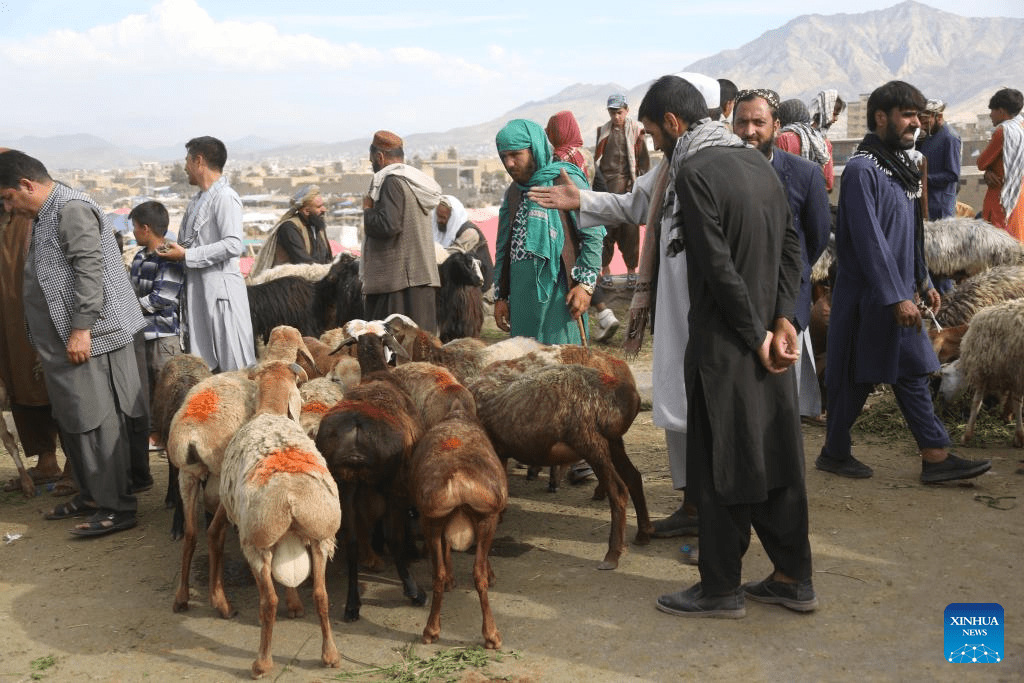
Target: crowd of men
{"type": "Point", "coordinates": [736, 213]}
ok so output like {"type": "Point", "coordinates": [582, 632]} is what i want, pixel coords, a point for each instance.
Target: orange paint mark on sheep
{"type": "Point", "coordinates": [451, 443]}
{"type": "Point", "coordinates": [288, 460]}
{"type": "Point", "coordinates": [370, 410]}
{"type": "Point", "coordinates": [442, 378]}
{"type": "Point", "coordinates": [608, 380]}
{"type": "Point", "coordinates": [318, 407]}
{"type": "Point", "coordinates": [202, 406]}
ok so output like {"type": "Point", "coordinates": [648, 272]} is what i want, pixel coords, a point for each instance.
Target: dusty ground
{"type": "Point", "coordinates": [889, 555]}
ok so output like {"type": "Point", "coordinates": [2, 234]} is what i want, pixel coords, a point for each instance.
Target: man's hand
{"type": "Point", "coordinates": [367, 202]}
{"type": "Point", "coordinates": [785, 350]}
{"type": "Point", "coordinates": [502, 315]}
{"type": "Point", "coordinates": [79, 345]}
{"type": "Point", "coordinates": [172, 251]}
{"type": "Point", "coordinates": [993, 179]}
{"type": "Point", "coordinates": [578, 300]}
{"type": "Point", "coordinates": [565, 197]}
{"type": "Point", "coordinates": [764, 354]}
{"type": "Point", "coordinates": [934, 300]}
{"type": "Point", "coordinates": [906, 314]}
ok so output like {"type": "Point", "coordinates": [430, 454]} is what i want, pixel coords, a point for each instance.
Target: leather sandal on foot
{"type": "Point", "coordinates": [75, 507]}
{"type": "Point", "coordinates": [106, 522]}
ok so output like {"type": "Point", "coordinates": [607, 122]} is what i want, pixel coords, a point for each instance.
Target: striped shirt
{"type": "Point", "coordinates": [157, 283]}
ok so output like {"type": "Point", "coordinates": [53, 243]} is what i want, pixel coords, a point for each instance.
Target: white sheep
{"type": "Point", "coordinates": [276, 488]}
{"type": "Point", "coordinates": [313, 272]}
{"type": "Point", "coordinates": [992, 360]}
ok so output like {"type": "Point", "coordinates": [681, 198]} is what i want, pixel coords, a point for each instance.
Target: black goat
{"type": "Point", "coordinates": [310, 307]}
{"type": "Point", "coordinates": [460, 304]}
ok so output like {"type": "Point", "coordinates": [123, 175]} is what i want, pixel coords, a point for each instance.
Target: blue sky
{"type": "Point", "coordinates": [155, 73]}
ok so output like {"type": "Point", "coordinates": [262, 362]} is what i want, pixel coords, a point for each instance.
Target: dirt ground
{"type": "Point", "coordinates": [889, 555]}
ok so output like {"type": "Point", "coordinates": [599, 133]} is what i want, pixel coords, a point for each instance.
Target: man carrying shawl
{"type": "Point", "coordinates": [399, 269]}
{"type": "Point", "coordinates": [300, 236]}
{"type": "Point", "coordinates": [797, 136]}
{"type": "Point", "coordinates": [875, 334]}
{"type": "Point", "coordinates": [545, 266]}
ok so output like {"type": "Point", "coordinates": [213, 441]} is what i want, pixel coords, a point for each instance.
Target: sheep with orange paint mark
{"type": "Point", "coordinates": [276, 487]}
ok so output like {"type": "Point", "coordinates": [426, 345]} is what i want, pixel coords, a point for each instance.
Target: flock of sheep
{"type": "Point", "coordinates": [361, 431]}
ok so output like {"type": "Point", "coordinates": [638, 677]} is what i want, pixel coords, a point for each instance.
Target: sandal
{"type": "Point", "coordinates": [75, 507]}
{"type": "Point", "coordinates": [64, 487]}
{"type": "Point", "coordinates": [106, 522]}
{"type": "Point", "coordinates": [580, 472]}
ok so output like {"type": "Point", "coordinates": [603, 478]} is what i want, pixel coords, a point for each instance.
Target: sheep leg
{"type": "Point", "coordinates": [189, 496]}
{"type": "Point", "coordinates": [450, 584]}
{"type": "Point", "coordinates": [979, 396]}
{"type": "Point", "coordinates": [348, 517]}
{"type": "Point", "coordinates": [329, 651]}
{"type": "Point", "coordinates": [434, 531]}
{"type": "Point", "coordinates": [268, 614]}
{"type": "Point", "coordinates": [483, 577]}
{"type": "Point", "coordinates": [28, 487]}
{"type": "Point", "coordinates": [294, 603]}
{"type": "Point", "coordinates": [635, 483]}
{"type": "Point", "coordinates": [600, 462]}
{"type": "Point", "coordinates": [215, 536]}
{"type": "Point", "coordinates": [1018, 436]}
{"type": "Point", "coordinates": [399, 524]}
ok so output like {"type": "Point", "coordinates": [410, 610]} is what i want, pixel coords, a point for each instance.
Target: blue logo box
{"type": "Point", "coordinates": [973, 633]}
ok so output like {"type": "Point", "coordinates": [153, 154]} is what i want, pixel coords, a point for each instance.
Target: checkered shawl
{"type": "Point", "coordinates": [120, 318]}
{"type": "Point", "coordinates": [1013, 162]}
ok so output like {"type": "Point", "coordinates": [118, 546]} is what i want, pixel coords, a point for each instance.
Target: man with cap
{"type": "Point", "coordinates": [620, 157]}
{"type": "Point", "coordinates": [300, 236]}
{"type": "Point", "coordinates": [546, 265]}
{"type": "Point", "coordinates": [399, 269]}
{"type": "Point", "coordinates": [942, 148]}
{"type": "Point", "coordinates": [659, 280]}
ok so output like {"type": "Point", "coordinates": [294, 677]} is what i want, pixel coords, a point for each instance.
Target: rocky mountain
{"type": "Point", "coordinates": [961, 60]}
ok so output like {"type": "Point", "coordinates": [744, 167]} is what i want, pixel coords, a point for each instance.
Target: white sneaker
{"type": "Point", "coordinates": [607, 325]}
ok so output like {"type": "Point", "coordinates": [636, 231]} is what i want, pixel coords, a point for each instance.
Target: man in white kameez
{"type": "Point", "coordinates": [652, 202]}
{"type": "Point", "coordinates": [215, 317]}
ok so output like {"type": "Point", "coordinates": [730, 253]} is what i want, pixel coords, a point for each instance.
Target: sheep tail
{"type": "Point", "coordinates": [459, 530]}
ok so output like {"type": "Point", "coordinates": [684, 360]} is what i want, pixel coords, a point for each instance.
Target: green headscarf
{"type": "Point", "coordinates": [542, 239]}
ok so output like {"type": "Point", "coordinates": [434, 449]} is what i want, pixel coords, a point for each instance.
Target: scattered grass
{"type": "Point", "coordinates": [40, 665]}
{"type": "Point", "coordinates": [445, 666]}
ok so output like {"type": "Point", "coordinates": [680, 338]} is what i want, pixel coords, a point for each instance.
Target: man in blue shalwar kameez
{"type": "Point", "coordinates": [875, 334]}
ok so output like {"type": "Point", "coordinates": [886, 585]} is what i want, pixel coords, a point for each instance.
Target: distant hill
{"type": "Point", "coordinates": [957, 59]}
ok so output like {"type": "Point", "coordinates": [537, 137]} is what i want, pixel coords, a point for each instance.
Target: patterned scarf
{"type": "Point", "coordinates": [702, 135]}
{"type": "Point", "coordinates": [812, 142]}
{"type": "Point", "coordinates": [897, 165]}
{"type": "Point", "coordinates": [1013, 162]}
{"type": "Point", "coordinates": [824, 105]}
{"type": "Point", "coordinates": [544, 237]}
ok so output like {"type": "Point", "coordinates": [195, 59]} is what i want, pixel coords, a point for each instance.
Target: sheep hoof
{"type": "Point", "coordinates": [642, 538]}
{"type": "Point", "coordinates": [419, 599]}
{"type": "Point", "coordinates": [259, 667]}
{"type": "Point", "coordinates": [493, 642]}
{"type": "Point", "coordinates": [429, 637]}
{"type": "Point", "coordinates": [608, 564]}
{"type": "Point", "coordinates": [180, 606]}
{"type": "Point", "coordinates": [351, 615]}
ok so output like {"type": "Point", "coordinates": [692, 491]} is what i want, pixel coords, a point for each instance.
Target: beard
{"type": "Point", "coordinates": [766, 147]}
{"type": "Point", "coordinates": [315, 220]}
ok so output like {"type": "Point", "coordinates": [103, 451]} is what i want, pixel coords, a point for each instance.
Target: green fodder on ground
{"type": "Point", "coordinates": [881, 419]}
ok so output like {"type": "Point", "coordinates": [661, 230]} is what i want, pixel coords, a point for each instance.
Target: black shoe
{"type": "Point", "coordinates": [693, 602]}
{"type": "Point", "coordinates": [847, 467]}
{"type": "Point", "coordinates": [679, 523]}
{"type": "Point", "coordinates": [952, 468]}
{"type": "Point", "coordinates": [798, 597]}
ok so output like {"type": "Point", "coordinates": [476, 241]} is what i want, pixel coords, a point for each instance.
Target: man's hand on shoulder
{"type": "Point", "coordinates": [564, 196]}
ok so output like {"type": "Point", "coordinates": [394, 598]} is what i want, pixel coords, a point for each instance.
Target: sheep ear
{"type": "Point", "coordinates": [398, 349]}
{"type": "Point", "coordinates": [294, 404]}
{"type": "Point", "coordinates": [348, 342]}
{"type": "Point", "coordinates": [299, 372]}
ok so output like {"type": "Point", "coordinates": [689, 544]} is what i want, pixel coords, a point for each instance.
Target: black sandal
{"type": "Point", "coordinates": [106, 522]}
{"type": "Point", "coordinates": [75, 507]}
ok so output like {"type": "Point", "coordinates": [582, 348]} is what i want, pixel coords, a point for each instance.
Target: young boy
{"type": "Point", "coordinates": [157, 282]}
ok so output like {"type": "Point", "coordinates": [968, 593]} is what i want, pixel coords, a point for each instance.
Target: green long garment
{"type": "Point", "coordinates": [537, 280]}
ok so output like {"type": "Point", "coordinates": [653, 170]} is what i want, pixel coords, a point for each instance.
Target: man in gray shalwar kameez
{"type": "Point", "coordinates": [82, 315]}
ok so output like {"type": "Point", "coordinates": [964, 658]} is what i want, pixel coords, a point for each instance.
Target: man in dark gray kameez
{"type": "Point", "coordinates": [82, 316]}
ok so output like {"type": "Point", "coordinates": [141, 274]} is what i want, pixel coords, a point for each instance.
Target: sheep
{"type": "Point", "coordinates": [177, 377]}
{"type": "Point", "coordinates": [460, 489]}
{"type": "Point", "coordinates": [276, 488]}
{"type": "Point", "coordinates": [307, 271]}
{"type": "Point", "coordinates": [998, 284]}
{"type": "Point", "coordinates": [365, 438]}
{"type": "Point", "coordinates": [28, 487]}
{"type": "Point", "coordinates": [559, 414]}
{"type": "Point", "coordinates": [992, 360]}
{"type": "Point", "coordinates": [312, 307]}
{"type": "Point", "coordinates": [462, 356]}
{"type": "Point", "coordinates": [961, 247]}
{"type": "Point", "coordinates": [212, 412]}
{"type": "Point", "coordinates": [460, 304]}
{"type": "Point", "coordinates": [318, 396]}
